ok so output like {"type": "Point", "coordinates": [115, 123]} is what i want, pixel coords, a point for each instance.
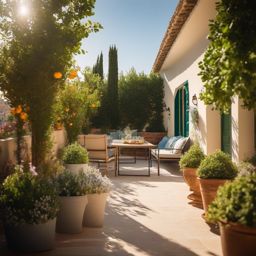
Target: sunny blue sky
{"type": "Point", "coordinates": [136, 27]}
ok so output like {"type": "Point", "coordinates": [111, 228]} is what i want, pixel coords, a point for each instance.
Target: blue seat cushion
{"type": "Point", "coordinates": [163, 142]}
{"type": "Point", "coordinates": [114, 135]}
{"type": "Point", "coordinates": [171, 142]}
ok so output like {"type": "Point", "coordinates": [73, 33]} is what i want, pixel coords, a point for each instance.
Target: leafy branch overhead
{"type": "Point", "coordinates": [229, 64]}
{"type": "Point", "coordinates": [33, 48]}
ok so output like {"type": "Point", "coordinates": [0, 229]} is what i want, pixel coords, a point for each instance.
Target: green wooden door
{"type": "Point", "coordinates": [181, 115]}
{"type": "Point", "coordinates": [186, 111]}
{"type": "Point", "coordinates": [178, 107]}
{"type": "Point", "coordinates": [226, 133]}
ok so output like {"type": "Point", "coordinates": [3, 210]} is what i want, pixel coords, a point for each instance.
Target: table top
{"type": "Point", "coordinates": [120, 143]}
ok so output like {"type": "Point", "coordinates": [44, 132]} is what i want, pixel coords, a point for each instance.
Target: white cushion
{"type": "Point", "coordinates": [179, 145]}
{"type": "Point", "coordinates": [166, 153]}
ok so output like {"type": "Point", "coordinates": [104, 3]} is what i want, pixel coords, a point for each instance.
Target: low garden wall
{"type": "Point", "coordinates": [8, 148]}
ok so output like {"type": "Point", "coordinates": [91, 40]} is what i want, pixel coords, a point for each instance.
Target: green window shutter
{"type": "Point", "coordinates": [226, 133]}
{"type": "Point", "coordinates": [186, 110]}
{"type": "Point", "coordinates": [177, 114]}
{"type": "Point", "coordinates": [181, 121]}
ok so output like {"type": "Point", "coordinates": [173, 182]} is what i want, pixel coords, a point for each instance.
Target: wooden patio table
{"type": "Point", "coordinates": [119, 144]}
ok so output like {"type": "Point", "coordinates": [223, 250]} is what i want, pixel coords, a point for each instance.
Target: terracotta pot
{"type": "Point", "coordinates": [31, 237]}
{"type": "Point", "coordinates": [75, 168]}
{"type": "Point", "coordinates": [190, 177]}
{"type": "Point", "coordinates": [209, 189]}
{"type": "Point", "coordinates": [237, 240]}
{"type": "Point", "coordinates": [70, 216]}
{"type": "Point", "coordinates": [95, 210]}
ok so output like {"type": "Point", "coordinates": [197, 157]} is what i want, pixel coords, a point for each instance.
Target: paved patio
{"type": "Point", "coordinates": [144, 216]}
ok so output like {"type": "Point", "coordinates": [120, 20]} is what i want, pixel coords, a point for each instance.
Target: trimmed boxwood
{"type": "Point", "coordinates": [235, 202]}
{"type": "Point", "coordinates": [192, 158]}
{"type": "Point", "coordinates": [217, 166]}
{"type": "Point", "coordinates": [75, 154]}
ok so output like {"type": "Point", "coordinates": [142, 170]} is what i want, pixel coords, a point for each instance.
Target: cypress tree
{"type": "Point", "coordinates": [112, 92]}
{"type": "Point", "coordinates": [95, 68]}
{"type": "Point", "coordinates": [100, 66]}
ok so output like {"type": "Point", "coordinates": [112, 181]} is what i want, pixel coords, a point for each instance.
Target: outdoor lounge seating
{"type": "Point", "coordinates": [98, 150]}
{"type": "Point", "coordinates": [169, 148]}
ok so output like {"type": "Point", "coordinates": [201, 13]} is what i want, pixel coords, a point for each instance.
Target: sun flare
{"type": "Point", "coordinates": [23, 10]}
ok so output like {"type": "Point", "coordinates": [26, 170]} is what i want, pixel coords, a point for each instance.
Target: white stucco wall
{"type": "Point", "coordinates": [242, 122]}
{"type": "Point", "coordinates": [181, 65]}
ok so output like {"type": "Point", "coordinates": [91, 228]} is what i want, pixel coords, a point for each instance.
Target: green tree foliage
{"type": "Point", "coordinates": [96, 88]}
{"type": "Point", "coordinates": [74, 105]}
{"type": "Point", "coordinates": [34, 47]}
{"type": "Point", "coordinates": [112, 89]}
{"type": "Point", "coordinates": [98, 67]}
{"type": "Point", "coordinates": [95, 66]}
{"type": "Point", "coordinates": [228, 67]}
{"type": "Point", "coordinates": [101, 72]}
{"type": "Point", "coordinates": [141, 101]}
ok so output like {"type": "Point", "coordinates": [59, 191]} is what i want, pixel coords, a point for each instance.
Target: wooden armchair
{"type": "Point", "coordinates": [97, 147]}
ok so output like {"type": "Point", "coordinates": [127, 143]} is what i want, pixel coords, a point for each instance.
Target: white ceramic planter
{"type": "Point", "coordinates": [95, 210]}
{"type": "Point", "coordinates": [75, 168]}
{"type": "Point", "coordinates": [70, 216]}
{"type": "Point", "coordinates": [31, 237]}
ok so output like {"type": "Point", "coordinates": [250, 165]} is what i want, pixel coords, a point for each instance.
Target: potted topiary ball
{"type": "Point", "coordinates": [234, 208]}
{"type": "Point", "coordinates": [73, 200]}
{"type": "Point", "coordinates": [75, 157]}
{"type": "Point", "coordinates": [98, 188]}
{"type": "Point", "coordinates": [214, 171]}
{"type": "Point", "coordinates": [189, 163]}
{"type": "Point", "coordinates": [30, 204]}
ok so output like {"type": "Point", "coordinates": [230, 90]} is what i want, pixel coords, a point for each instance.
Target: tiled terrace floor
{"type": "Point", "coordinates": [144, 216]}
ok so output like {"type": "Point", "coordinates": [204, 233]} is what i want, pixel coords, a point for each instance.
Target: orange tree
{"type": "Point", "coordinates": [74, 105]}
{"type": "Point", "coordinates": [38, 41]}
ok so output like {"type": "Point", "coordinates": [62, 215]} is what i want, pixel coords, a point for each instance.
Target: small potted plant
{"type": "Point", "coordinates": [213, 172]}
{"type": "Point", "coordinates": [73, 200]}
{"type": "Point", "coordinates": [75, 157]}
{"type": "Point", "coordinates": [189, 163]}
{"type": "Point", "coordinates": [98, 188]}
{"type": "Point", "coordinates": [234, 208]}
{"type": "Point", "coordinates": [30, 206]}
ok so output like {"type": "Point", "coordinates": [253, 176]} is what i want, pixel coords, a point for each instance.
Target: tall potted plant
{"type": "Point", "coordinates": [97, 189]}
{"type": "Point", "coordinates": [73, 200]}
{"type": "Point", "coordinates": [214, 171]}
{"type": "Point", "coordinates": [189, 163]}
{"type": "Point", "coordinates": [75, 158]}
{"type": "Point", "coordinates": [30, 206]}
{"type": "Point", "coordinates": [234, 208]}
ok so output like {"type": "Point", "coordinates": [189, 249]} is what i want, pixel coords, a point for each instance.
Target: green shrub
{"type": "Point", "coordinates": [217, 166]}
{"type": "Point", "coordinates": [139, 92]}
{"type": "Point", "coordinates": [75, 154]}
{"type": "Point", "coordinates": [192, 158]}
{"type": "Point", "coordinates": [96, 183]}
{"type": "Point", "coordinates": [28, 198]}
{"type": "Point", "coordinates": [70, 184]}
{"type": "Point", "coordinates": [235, 202]}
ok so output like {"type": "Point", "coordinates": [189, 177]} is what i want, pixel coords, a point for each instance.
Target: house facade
{"type": "Point", "coordinates": [182, 48]}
